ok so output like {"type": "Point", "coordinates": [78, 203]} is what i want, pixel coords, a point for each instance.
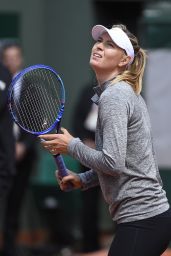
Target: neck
{"type": "Point", "coordinates": [102, 78]}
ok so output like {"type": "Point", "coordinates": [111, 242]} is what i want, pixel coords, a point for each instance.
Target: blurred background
{"type": "Point", "coordinates": [58, 33]}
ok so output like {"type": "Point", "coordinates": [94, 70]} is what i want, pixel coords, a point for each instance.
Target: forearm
{"type": "Point", "coordinates": [100, 161]}
{"type": "Point", "coordinates": [89, 179]}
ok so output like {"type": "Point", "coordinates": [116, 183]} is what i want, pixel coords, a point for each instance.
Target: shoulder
{"type": "Point", "coordinates": [120, 91]}
{"type": "Point", "coordinates": [118, 97]}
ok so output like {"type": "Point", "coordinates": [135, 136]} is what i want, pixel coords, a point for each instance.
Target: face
{"type": "Point", "coordinates": [106, 56]}
{"type": "Point", "coordinates": [12, 59]}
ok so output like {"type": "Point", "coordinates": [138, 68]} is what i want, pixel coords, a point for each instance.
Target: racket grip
{"type": "Point", "coordinates": [62, 170]}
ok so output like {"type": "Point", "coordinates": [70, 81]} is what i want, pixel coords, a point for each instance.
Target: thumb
{"type": "Point", "coordinates": [66, 134]}
{"type": "Point", "coordinates": [64, 131]}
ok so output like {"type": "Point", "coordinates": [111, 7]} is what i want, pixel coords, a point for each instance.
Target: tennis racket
{"type": "Point", "coordinates": [36, 103]}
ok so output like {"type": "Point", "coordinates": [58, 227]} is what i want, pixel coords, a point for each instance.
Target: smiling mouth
{"type": "Point", "coordinates": [97, 55]}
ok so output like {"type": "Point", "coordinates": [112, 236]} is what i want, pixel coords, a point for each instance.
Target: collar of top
{"type": "Point", "coordinates": [99, 89]}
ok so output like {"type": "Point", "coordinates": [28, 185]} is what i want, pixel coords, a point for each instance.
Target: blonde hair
{"type": "Point", "coordinates": [134, 73]}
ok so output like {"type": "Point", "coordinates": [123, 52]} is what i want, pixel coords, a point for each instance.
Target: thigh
{"type": "Point", "coordinates": [148, 237]}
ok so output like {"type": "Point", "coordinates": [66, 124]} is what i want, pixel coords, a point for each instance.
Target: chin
{"type": "Point", "coordinates": [94, 65]}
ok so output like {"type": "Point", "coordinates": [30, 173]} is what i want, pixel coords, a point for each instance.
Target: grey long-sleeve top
{"type": "Point", "coordinates": [124, 161]}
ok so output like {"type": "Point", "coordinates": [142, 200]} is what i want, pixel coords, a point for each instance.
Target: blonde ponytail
{"type": "Point", "coordinates": [134, 73]}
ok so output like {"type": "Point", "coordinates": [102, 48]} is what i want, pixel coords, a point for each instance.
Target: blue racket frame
{"type": "Point", "coordinates": [58, 158]}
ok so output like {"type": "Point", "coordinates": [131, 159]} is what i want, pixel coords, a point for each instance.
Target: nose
{"type": "Point", "coordinates": [99, 45]}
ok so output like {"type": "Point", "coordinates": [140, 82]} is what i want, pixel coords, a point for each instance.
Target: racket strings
{"type": "Point", "coordinates": [47, 109]}
{"type": "Point", "coordinates": [55, 101]}
{"type": "Point", "coordinates": [42, 105]}
{"type": "Point", "coordinates": [23, 105]}
{"type": "Point", "coordinates": [18, 106]}
{"type": "Point", "coordinates": [37, 99]}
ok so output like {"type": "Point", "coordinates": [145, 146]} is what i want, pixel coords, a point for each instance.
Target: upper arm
{"type": "Point", "coordinates": [113, 116]}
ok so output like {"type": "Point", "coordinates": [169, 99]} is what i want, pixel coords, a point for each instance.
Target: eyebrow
{"type": "Point", "coordinates": [109, 41]}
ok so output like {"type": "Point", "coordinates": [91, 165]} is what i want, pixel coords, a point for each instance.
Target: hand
{"type": "Point", "coordinates": [70, 180]}
{"type": "Point", "coordinates": [56, 143]}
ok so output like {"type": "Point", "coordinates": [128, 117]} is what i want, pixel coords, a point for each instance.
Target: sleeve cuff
{"type": "Point", "coordinates": [72, 144]}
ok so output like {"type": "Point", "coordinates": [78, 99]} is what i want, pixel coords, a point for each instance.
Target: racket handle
{"type": "Point", "coordinates": [62, 170]}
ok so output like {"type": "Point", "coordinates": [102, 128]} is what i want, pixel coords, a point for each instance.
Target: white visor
{"type": "Point", "coordinates": [118, 36]}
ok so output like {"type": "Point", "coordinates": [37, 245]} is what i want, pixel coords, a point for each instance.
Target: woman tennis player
{"type": "Point", "coordinates": [123, 162]}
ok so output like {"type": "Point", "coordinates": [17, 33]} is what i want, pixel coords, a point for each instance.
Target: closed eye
{"type": "Point", "coordinates": [107, 43]}
{"type": "Point", "coordinates": [99, 40]}
{"type": "Point", "coordinates": [111, 44]}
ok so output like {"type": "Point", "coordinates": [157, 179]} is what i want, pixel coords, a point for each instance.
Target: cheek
{"type": "Point", "coordinates": [113, 59]}
{"type": "Point", "coordinates": [110, 62]}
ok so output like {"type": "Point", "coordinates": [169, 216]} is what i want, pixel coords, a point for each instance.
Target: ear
{"type": "Point", "coordinates": [124, 61]}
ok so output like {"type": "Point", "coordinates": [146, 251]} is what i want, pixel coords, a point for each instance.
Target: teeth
{"type": "Point", "coordinates": [97, 55]}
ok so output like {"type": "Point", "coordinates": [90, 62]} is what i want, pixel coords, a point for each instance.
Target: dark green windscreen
{"type": "Point", "coordinates": [9, 25]}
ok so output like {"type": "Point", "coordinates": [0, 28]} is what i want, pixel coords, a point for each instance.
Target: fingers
{"type": "Point", "coordinates": [59, 180]}
{"type": "Point", "coordinates": [64, 179]}
{"type": "Point", "coordinates": [51, 147]}
{"type": "Point", "coordinates": [49, 143]}
{"type": "Point", "coordinates": [53, 136]}
{"type": "Point", "coordinates": [66, 182]}
{"type": "Point", "coordinates": [45, 138]}
{"type": "Point", "coordinates": [58, 177]}
{"type": "Point", "coordinates": [56, 143]}
{"type": "Point", "coordinates": [54, 151]}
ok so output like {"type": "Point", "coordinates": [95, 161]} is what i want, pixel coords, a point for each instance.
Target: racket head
{"type": "Point", "coordinates": [36, 99]}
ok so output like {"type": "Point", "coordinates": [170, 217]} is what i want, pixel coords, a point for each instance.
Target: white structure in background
{"type": "Point", "coordinates": [158, 98]}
